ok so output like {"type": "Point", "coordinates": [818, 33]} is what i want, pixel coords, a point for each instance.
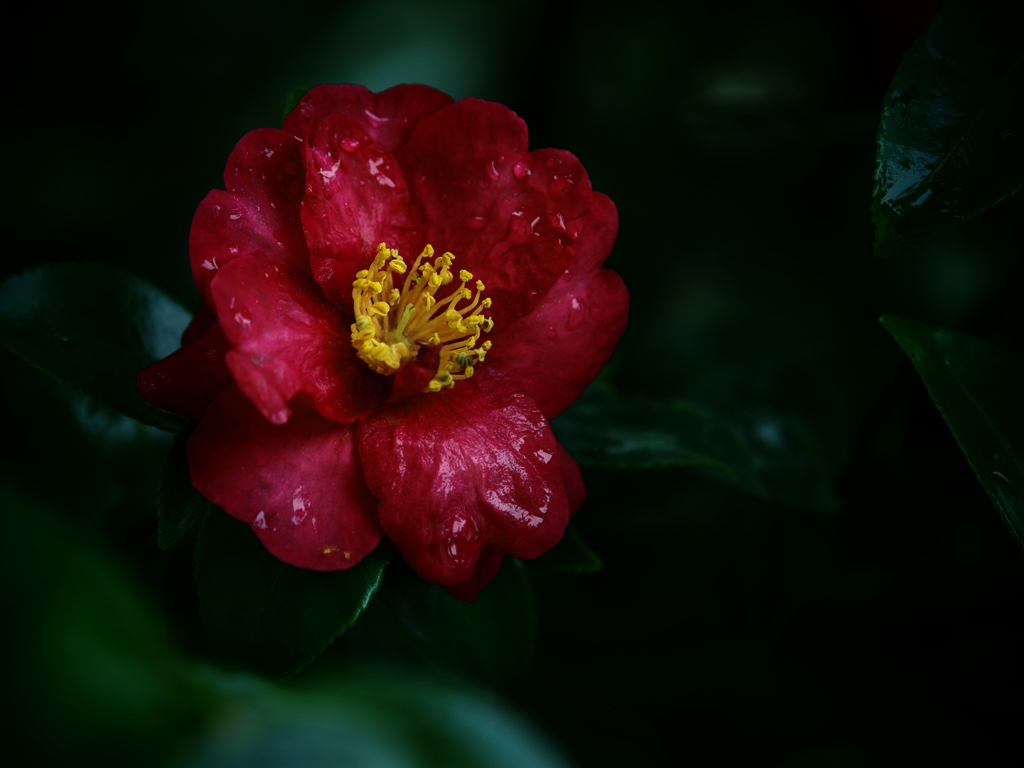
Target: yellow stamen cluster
{"type": "Point", "coordinates": [393, 325]}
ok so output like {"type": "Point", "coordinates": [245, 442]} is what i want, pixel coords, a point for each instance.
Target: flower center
{"type": "Point", "coordinates": [393, 325]}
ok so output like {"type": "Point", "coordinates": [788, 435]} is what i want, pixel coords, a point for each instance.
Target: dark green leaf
{"type": "Point", "coordinates": [181, 506]}
{"type": "Point", "coordinates": [292, 100]}
{"type": "Point", "coordinates": [268, 615]}
{"type": "Point", "coordinates": [490, 640]}
{"type": "Point", "coordinates": [93, 327]}
{"type": "Point", "coordinates": [570, 555]}
{"type": "Point", "coordinates": [88, 656]}
{"type": "Point", "coordinates": [951, 139]}
{"type": "Point", "coordinates": [767, 452]}
{"type": "Point", "coordinates": [977, 387]}
{"type": "Point", "coordinates": [604, 430]}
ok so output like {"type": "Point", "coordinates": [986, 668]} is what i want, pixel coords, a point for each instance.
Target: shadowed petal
{"type": "Point", "coordinates": [356, 198]}
{"type": "Point", "coordinates": [258, 215]}
{"type": "Point", "coordinates": [388, 117]}
{"type": "Point", "coordinates": [508, 215]}
{"type": "Point", "coordinates": [299, 485]}
{"type": "Point", "coordinates": [289, 341]}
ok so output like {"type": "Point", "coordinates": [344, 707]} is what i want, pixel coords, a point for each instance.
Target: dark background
{"type": "Point", "coordinates": [874, 619]}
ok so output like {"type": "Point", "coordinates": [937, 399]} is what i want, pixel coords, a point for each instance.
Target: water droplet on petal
{"type": "Point", "coordinates": [350, 145]}
{"type": "Point", "coordinates": [521, 170]}
{"type": "Point", "coordinates": [492, 170]}
{"type": "Point", "coordinates": [576, 315]}
{"type": "Point", "coordinates": [552, 162]}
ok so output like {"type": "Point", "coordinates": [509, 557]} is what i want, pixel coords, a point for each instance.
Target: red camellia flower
{"type": "Point", "coordinates": [397, 297]}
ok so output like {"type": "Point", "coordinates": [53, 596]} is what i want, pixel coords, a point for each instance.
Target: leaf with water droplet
{"type": "Point", "coordinates": [265, 614]}
{"type": "Point", "coordinates": [951, 139]}
{"type": "Point", "coordinates": [977, 387]}
{"type": "Point", "coordinates": [93, 327]}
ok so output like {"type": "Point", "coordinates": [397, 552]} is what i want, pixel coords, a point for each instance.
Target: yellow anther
{"type": "Point", "coordinates": [465, 275]}
{"type": "Point", "coordinates": [488, 325]}
{"type": "Point", "coordinates": [362, 273]}
{"type": "Point", "coordinates": [361, 282]}
{"type": "Point", "coordinates": [435, 280]}
{"type": "Point", "coordinates": [393, 297]}
{"type": "Point", "coordinates": [381, 307]}
{"type": "Point", "coordinates": [486, 303]}
{"type": "Point", "coordinates": [397, 264]}
{"type": "Point", "coordinates": [474, 320]}
{"type": "Point", "coordinates": [447, 277]}
{"type": "Point", "coordinates": [481, 354]}
{"type": "Point", "coordinates": [480, 286]}
{"type": "Point", "coordinates": [431, 301]}
{"type": "Point", "coordinates": [363, 322]}
{"type": "Point", "coordinates": [435, 339]}
{"type": "Point", "coordinates": [443, 378]}
{"type": "Point", "coordinates": [485, 346]}
{"type": "Point", "coordinates": [375, 286]}
{"type": "Point", "coordinates": [468, 372]}
{"type": "Point", "coordinates": [434, 386]}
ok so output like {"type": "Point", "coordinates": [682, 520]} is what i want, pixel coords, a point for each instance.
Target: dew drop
{"type": "Point", "coordinates": [521, 170]}
{"type": "Point", "coordinates": [552, 333]}
{"type": "Point", "coordinates": [576, 315]}
{"type": "Point", "coordinates": [350, 145]}
{"type": "Point", "coordinates": [492, 170]}
{"type": "Point", "coordinates": [552, 162]}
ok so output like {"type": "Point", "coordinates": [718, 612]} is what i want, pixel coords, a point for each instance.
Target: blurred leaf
{"type": "Point", "coordinates": [570, 555]}
{"type": "Point", "coordinates": [181, 506]}
{"type": "Point", "coordinates": [977, 388]}
{"type": "Point", "coordinates": [292, 100]}
{"type": "Point", "coordinates": [88, 658]}
{"type": "Point", "coordinates": [951, 139]}
{"type": "Point", "coordinates": [268, 615]}
{"type": "Point", "coordinates": [490, 640]}
{"type": "Point", "coordinates": [377, 718]}
{"type": "Point", "coordinates": [93, 327]}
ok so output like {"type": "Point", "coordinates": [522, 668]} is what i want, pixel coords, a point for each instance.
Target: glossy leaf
{"type": "Point", "coordinates": [268, 615]}
{"type": "Point", "coordinates": [570, 555]}
{"type": "Point", "coordinates": [603, 429]}
{"type": "Point", "coordinates": [180, 506]}
{"type": "Point", "coordinates": [977, 388]}
{"type": "Point", "coordinates": [93, 327]}
{"type": "Point", "coordinates": [951, 140]}
{"type": "Point", "coordinates": [490, 640]}
{"type": "Point", "coordinates": [766, 452]}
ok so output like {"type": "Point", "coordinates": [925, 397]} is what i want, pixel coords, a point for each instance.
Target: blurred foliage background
{"type": "Point", "coordinates": [856, 601]}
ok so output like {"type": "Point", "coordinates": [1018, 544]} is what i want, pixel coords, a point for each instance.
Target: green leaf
{"type": "Point", "coordinates": [570, 555]}
{"type": "Point", "coordinates": [292, 100]}
{"type": "Point", "coordinates": [490, 640]}
{"type": "Point", "coordinates": [977, 388]}
{"type": "Point", "coordinates": [382, 716]}
{"type": "Point", "coordinates": [602, 429]}
{"type": "Point", "coordinates": [951, 138]}
{"type": "Point", "coordinates": [269, 615]}
{"type": "Point", "coordinates": [88, 655]}
{"type": "Point", "coordinates": [93, 327]}
{"type": "Point", "coordinates": [180, 506]}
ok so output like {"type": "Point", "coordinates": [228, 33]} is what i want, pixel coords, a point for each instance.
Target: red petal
{"type": "Point", "coordinates": [412, 377]}
{"type": "Point", "coordinates": [557, 350]}
{"type": "Point", "coordinates": [186, 381]}
{"type": "Point", "coordinates": [300, 485]}
{"type": "Point", "coordinates": [460, 468]}
{"type": "Point", "coordinates": [288, 340]}
{"type": "Point", "coordinates": [356, 198]}
{"type": "Point", "coordinates": [258, 214]}
{"type": "Point", "coordinates": [388, 117]}
{"type": "Point", "coordinates": [572, 478]}
{"type": "Point", "coordinates": [508, 216]}
{"type": "Point", "coordinates": [487, 567]}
